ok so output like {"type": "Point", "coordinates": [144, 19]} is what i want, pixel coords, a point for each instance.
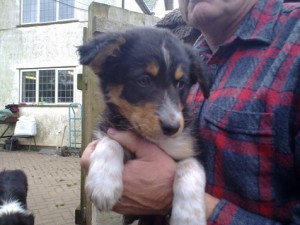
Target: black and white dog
{"type": "Point", "coordinates": [13, 194]}
{"type": "Point", "coordinates": [145, 77]}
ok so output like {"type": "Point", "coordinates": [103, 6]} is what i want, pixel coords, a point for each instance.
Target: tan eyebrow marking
{"type": "Point", "coordinates": [152, 68]}
{"type": "Point", "coordinates": [178, 73]}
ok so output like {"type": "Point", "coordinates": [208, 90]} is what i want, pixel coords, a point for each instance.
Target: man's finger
{"type": "Point", "coordinates": [85, 158]}
{"type": "Point", "coordinates": [133, 143]}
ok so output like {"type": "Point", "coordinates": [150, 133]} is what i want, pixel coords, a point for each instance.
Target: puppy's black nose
{"type": "Point", "coordinates": [169, 127]}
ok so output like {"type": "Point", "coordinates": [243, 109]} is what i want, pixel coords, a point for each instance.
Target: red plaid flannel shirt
{"type": "Point", "coordinates": [249, 127]}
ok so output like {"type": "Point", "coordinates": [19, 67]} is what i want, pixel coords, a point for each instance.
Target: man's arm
{"type": "Point", "coordinates": [148, 184]}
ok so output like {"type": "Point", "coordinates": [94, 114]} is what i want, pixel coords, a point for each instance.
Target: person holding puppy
{"type": "Point", "coordinates": [249, 127]}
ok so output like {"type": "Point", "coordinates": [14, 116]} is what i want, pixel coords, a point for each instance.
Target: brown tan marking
{"type": "Point", "coordinates": [179, 73]}
{"type": "Point", "coordinates": [180, 106]}
{"type": "Point", "coordinates": [152, 68]}
{"type": "Point", "coordinates": [110, 50]}
{"type": "Point", "coordinates": [142, 117]}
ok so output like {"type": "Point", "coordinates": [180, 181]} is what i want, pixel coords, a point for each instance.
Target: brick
{"type": "Point", "coordinates": [52, 200]}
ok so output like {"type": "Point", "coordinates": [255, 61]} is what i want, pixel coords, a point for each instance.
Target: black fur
{"type": "Point", "coordinates": [120, 59]}
{"type": "Point", "coordinates": [125, 65]}
{"type": "Point", "coordinates": [14, 187]}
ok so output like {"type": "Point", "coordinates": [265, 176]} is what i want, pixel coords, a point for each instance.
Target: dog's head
{"type": "Point", "coordinates": [13, 198]}
{"type": "Point", "coordinates": [146, 73]}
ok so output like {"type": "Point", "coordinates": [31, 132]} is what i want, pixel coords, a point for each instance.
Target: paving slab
{"type": "Point", "coordinates": [54, 184]}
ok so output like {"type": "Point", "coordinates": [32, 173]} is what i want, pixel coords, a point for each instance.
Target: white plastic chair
{"type": "Point", "coordinates": [26, 128]}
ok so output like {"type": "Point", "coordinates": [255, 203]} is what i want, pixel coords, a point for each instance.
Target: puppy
{"type": "Point", "coordinates": [145, 76]}
{"type": "Point", "coordinates": [13, 194]}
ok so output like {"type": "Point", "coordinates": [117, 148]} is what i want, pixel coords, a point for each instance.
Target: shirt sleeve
{"type": "Point", "coordinates": [226, 213]}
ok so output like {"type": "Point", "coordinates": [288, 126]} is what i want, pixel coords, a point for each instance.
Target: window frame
{"type": "Point", "coordinates": [38, 19]}
{"type": "Point", "coordinates": [37, 88]}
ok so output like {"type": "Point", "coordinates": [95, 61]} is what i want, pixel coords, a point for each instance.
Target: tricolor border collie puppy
{"type": "Point", "coordinates": [145, 76]}
{"type": "Point", "coordinates": [13, 194]}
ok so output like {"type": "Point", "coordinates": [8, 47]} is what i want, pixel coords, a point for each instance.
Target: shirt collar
{"type": "Point", "coordinates": [258, 24]}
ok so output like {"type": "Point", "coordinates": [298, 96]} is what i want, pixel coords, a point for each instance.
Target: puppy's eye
{"type": "Point", "coordinates": [144, 81]}
{"type": "Point", "coordinates": [181, 84]}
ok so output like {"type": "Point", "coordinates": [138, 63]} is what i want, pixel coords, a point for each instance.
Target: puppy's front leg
{"type": "Point", "coordinates": [189, 189]}
{"type": "Point", "coordinates": [104, 184]}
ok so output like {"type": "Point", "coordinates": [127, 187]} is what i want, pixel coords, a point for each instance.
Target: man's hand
{"type": "Point", "coordinates": [86, 155]}
{"type": "Point", "coordinates": [148, 179]}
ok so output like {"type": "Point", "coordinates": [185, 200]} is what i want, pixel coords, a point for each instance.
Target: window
{"type": "Point", "coordinates": [29, 86]}
{"type": "Point", "coordinates": [47, 10]}
{"type": "Point", "coordinates": [66, 9]}
{"type": "Point", "coordinates": [29, 11]}
{"type": "Point", "coordinates": [65, 86]}
{"type": "Point", "coordinates": [47, 86]}
{"type": "Point", "coordinates": [42, 11]}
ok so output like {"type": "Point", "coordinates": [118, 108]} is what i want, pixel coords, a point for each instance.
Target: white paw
{"type": "Point", "coordinates": [188, 203]}
{"type": "Point", "coordinates": [103, 184]}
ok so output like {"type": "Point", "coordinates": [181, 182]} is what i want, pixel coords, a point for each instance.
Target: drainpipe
{"type": "Point", "coordinates": [169, 4]}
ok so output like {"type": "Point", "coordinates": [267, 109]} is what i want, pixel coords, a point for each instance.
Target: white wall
{"type": "Point", "coordinates": [39, 46]}
{"type": "Point", "coordinates": [51, 122]}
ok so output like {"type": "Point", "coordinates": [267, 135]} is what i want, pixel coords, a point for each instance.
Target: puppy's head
{"type": "Point", "coordinates": [145, 73]}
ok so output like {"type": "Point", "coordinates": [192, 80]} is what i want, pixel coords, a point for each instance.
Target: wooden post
{"type": "Point", "coordinates": [102, 18]}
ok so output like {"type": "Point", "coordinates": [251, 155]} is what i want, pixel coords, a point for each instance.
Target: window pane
{"type": "Point", "coordinates": [28, 86]}
{"type": "Point", "coordinates": [65, 85]}
{"type": "Point", "coordinates": [29, 11]}
{"type": "Point", "coordinates": [47, 86]}
{"type": "Point", "coordinates": [47, 10]}
{"type": "Point", "coordinates": [66, 9]}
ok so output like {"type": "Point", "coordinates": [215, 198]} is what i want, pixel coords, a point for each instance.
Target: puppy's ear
{"type": "Point", "coordinates": [200, 72]}
{"type": "Point", "coordinates": [95, 53]}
